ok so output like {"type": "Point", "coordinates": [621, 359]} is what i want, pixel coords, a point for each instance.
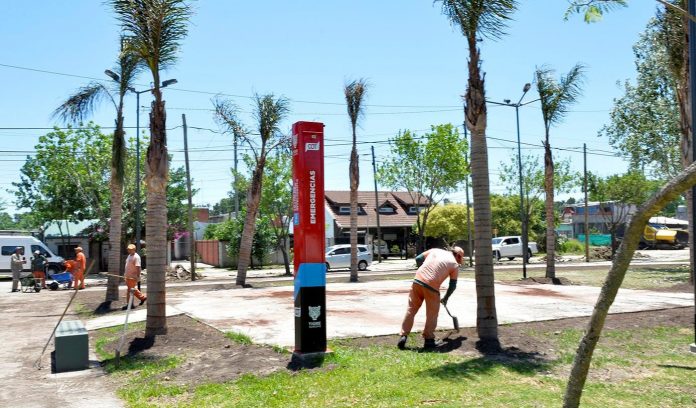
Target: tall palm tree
{"type": "Point", "coordinates": [355, 93]}
{"type": "Point", "coordinates": [269, 112]}
{"type": "Point", "coordinates": [556, 98]}
{"type": "Point", "coordinates": [480, 19]}
{"type": "Point", "coordinates": [155, 29]}
{"type": "Point", "coordinates": [80, 106]}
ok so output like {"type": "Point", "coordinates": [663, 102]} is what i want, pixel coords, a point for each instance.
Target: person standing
{"type": "Point", "coordinates": [438, 265]}
{"type": "Point", "coordinates": [132, 275]}
{"type": "Point", "coordinates": [38, 267]}
{"type": "Point", "coordinates": [17, 261]}
{"type": "Point", "coordinates": [79, 270]}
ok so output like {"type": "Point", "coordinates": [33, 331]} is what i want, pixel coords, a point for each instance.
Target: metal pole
{"type": "Point", "coordinates": [468, 213]}
{"type": "Point", "coordinates": [692, 86]}
{"type": "Point", "coordinates": [523, 214]}
{"type": "Point", "coordinates": [192, 233]}
{"type": "Point", "coordinates": [137, 172]}
{"type": "Point", "coordinates": [374, 176]}
{"type": "Point", "coordinates": [587, 224]}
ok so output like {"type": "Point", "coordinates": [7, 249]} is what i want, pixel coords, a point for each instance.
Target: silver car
{"type": "Point", "coordinates": [338, 256]}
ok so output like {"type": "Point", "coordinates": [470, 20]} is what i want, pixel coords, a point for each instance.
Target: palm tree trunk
{"type": "Point", "coordinates": [114, 240]}
{"type": "Point", "coordinates": [550, 219]}
{"type": "Point", "coordinates": [156, 220]}
{"type": "Point", "coordinates": [354, 180]}
{"type": "Point", "coordinates": [247, 240]}
{"type": "Point", "coordinates": [476, 116]}
{"type": "Point", "coordinates": [583, 356]}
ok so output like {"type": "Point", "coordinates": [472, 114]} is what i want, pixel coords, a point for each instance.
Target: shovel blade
{"type": "Point", "coordinates": [455, 321]}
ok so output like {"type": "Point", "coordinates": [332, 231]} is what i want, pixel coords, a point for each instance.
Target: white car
{"type": "Point", "coordinates": [338, 256]}
{"type": "Point", "coordinates": [511, 247]}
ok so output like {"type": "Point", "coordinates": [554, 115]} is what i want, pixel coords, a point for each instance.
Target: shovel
{"type": "Point", "coordinates": [455, 321]}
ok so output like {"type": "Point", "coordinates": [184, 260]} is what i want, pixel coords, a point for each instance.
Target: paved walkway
{"type": "Point", "coordinates": [27, 321]}
{"type": "Point", "coordinates": [376, 308]}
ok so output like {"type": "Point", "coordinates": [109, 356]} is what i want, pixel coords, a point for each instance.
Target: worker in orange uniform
{"type": "Point", "coordinates": [132, 275]}
{"type": "Point", "coordinates": [79, 269]}
{"type": "Point", "coordinates": [438, 265]}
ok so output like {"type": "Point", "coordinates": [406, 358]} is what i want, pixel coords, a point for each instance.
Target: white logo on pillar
{"type": "Point", "coordinates": [311, 146]}
{"type": "Point", "coordinates": [314, 312]}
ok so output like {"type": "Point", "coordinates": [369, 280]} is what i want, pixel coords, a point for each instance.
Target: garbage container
{"type": "Point", "coordinates": [72, 346]}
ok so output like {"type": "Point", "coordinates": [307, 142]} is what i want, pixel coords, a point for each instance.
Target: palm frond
{"type": "Point", "coordinates": [129, 65]}
{"type": "Point", "coordinates": [269, 112]}
{"type": "Point", "coordinates": [355, 92]}
{"type": "Point", "coordinates": [486, 18]}
{"type": "Point", "coordinates": [83, 103]}
{"type": "Point", "coordinates": [156, 29]}
{"type": "Point", "coordinates": [557, 96]}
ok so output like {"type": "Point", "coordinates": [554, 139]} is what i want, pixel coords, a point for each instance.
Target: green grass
{"type": "Point", "coordinates": [631, 368]}
{"type": "Point", "coordinates": [239, 338]}
{"type": "Point", "coordinates": [636, 277]}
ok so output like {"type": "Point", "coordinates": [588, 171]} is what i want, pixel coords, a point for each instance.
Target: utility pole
{"type": "Point", "coordinates": [192, 233]}
{"type": "Point", "coordinates": [374, 176]}
{"type": "Point", "coordinates": [468, 213]}
{"type": "Point", "coordinates": [587, 224]}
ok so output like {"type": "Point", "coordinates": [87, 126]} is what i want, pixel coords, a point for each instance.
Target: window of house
{"type": "Point", "coordinates": [344, 210]}
{"type": "Point", "coordinates": [413, 209]}
{"type": "Point", "coordinates": [386, 210]}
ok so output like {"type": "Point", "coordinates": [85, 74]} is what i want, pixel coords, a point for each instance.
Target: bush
{"type": "Point", "coordinates": [570, 246]}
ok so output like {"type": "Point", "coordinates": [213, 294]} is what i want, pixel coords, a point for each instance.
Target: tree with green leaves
{"type": "Point", "coordinates": [155, 30]}
{"type": "Point", "coordinates": [448, 222]}
{"type": "Point", "coordinates": [478, 20]}
{"type": "Point", "coordinates": [269, 113]}
{"type": "Point", "coordinates": [355, 92]}
{"type": "Point", "coordinates": [75, 110]}
{"type": "Point", "coordinates": [556, 97]}
{"type": "Point", "coordinates": [505, 210]}
{"type": "Point", "coordinates": [276, 201]}
{"type": "Point", "coordinates": [428, 167]}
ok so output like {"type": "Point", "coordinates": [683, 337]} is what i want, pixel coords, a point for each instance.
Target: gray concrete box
{"type": "Point", "coordinates": [72, 346]}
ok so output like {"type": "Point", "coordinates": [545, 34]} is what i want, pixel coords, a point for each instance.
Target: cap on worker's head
{"type": "Point", "coordinates": [458, 251]}
{"type": "Point", "coordinates": [37, 252]}
{"type": "Point", "coordinates": [130, 246]}
{"type": "Point", "coordinates": [78, 249]}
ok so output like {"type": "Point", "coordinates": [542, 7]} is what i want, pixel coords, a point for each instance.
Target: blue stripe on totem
{"type": "Point", "coordinates": [310, 275]}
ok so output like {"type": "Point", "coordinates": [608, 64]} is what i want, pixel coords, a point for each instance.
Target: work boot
{"type": "Point", "coordinates": [142, 301]}
{"type": "Point", "coordinates": [402, 342]}
{"type": "Point", "coordinates": [432, 343]}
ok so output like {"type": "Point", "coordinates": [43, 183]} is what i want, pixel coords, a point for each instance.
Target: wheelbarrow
{"type": "Point", "coordinates": [63, 280]}
{"type": "Point", "coordinates": [29, 283]}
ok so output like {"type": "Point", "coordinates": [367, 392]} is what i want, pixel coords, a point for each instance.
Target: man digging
{"type": "Point", "coordinates": [438, 265]}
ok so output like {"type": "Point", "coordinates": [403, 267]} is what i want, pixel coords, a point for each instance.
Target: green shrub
{"type": "Point", "coordinates": [570, 246]}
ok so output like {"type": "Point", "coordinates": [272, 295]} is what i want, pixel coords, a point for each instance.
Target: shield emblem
{"type": "Point", "coordinates": [314, 312]}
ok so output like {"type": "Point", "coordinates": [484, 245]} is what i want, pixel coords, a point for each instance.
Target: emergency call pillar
{"type": "Point", "coordinates": [309, 237]}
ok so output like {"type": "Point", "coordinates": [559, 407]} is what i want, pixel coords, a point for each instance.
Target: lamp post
{"type": "Point", "coordinates": [523, 214]}
{"type": "Point", "coordinates": [137, 157]}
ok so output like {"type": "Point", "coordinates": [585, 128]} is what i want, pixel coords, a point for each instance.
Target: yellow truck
{"type": "Point", "coordinates": [658, 236]}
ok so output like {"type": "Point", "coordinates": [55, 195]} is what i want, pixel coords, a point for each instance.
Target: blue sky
{"type": "Point", "coordinates": [414, 60]}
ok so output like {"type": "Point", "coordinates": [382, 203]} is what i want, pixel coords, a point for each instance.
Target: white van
{"type": "Point", "coordinates": [8, 244]}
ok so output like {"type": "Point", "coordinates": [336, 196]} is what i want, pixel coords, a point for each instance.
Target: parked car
{"type": "Point", "coordinates": [382, 248]}
{"type": "Point", "coordinates": [338, 256]}
{"type": "Point", "coordinates": [511, 247]}
{"type": "Point", "coordinates": [29, 244]}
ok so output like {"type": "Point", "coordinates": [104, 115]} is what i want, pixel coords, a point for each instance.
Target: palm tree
{"type": "Point", "coordinates": [76, 109]}
{"type": "Point", "coordinates": [556, 97]}
{"type": "Point", "coordinates": [155, 29]}
{"type": "Point", "coordinates": [477, 19]}
{"type": "Point", "coordinates": [269, 113]}
{"type": "Point", "coordinates": [355, 93]}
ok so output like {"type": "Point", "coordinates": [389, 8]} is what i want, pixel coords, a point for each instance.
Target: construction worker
{"type": "Point", "coordinates": [132, 275]}
{"type": "Point", "coordinates": [79, 269]}
{"type": "Point", "coordinates": [17, 261]}
{"type": "Point", "coordinates": [38, 267]}
{"type": "Point", "coordinates": [438, 265]}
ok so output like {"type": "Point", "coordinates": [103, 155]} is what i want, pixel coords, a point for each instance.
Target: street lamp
{"type": "Point", "coordinates": [523, 214]}
{"type": "Point", "coordinates": [166, 83]}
